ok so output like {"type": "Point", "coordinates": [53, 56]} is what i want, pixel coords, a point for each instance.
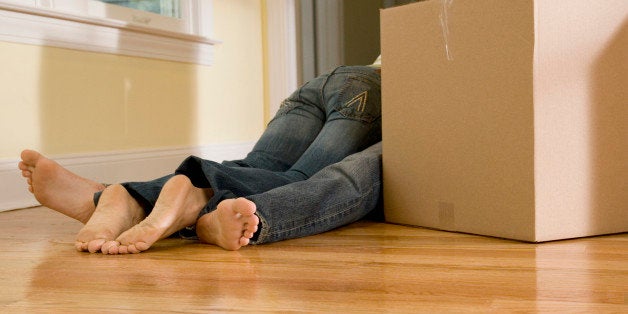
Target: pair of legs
{"type": "Point", "coordinates": [119, 224]}
{"type": "Point", "coordinates": [327, 119]}
{"type": "Point", "coordinates": [339, 194]}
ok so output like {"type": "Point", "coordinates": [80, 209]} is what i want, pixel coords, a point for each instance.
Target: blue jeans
{"type": "Point", "coordinates": [324, 121]}
{"type": "Point", "coordinates": [337, 195]}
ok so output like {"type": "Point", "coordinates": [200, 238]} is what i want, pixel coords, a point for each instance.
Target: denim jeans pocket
{"type": "Point", "coordinates": [360, 98]}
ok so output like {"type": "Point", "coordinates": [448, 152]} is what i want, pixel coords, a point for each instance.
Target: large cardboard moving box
{"type": "Point", "coordinates": [507, 118]}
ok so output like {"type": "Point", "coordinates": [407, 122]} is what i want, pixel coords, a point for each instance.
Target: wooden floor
{"type": "Point", "coordinates": [364, 267]}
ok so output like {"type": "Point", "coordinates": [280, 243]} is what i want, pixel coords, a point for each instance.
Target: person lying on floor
{"type": "Point", "coordinates": [339, 194]}
{"type": "Point", "coordinates": [309, 172]}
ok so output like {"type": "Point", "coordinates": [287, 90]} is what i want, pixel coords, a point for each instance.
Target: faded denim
{"type": "Point", "coordinates": [337, 195]}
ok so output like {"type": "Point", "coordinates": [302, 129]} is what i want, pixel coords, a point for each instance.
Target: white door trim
{"type": "Point", "coordinates": [281, 51]}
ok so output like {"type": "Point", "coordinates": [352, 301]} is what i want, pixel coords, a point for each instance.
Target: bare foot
{"type": "Point", "coordinates": [117, 211]}
{"type": "Point", "coordinates": [57, 188]}
{"type": "Point", "coordinates": [177, 207]}
{"type": "Point", "coordinates": [230, 226]}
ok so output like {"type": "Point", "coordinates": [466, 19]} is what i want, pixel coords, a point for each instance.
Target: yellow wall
{"type": "Point", "coordinates": [63, 101]}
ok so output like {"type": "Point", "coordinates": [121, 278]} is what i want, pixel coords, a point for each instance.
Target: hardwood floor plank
{"type": "Point", "coordinates": [364, 267]}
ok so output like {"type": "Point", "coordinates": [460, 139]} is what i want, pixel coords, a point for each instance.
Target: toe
{"type": "Point", "coordinates": [251, 227]}
{"type": "Point", "coordinates": [244, 207]}
{"type": "Point", "coordinates": [244, 241]}
{"type": "Point", "coordinates": [95, 245]}
{"type": "Point", "coordinates": [29, 156]}
{"type": "Point", "coordinates": [123, 249]}
{"type": "Point", "coordinates": [80, 246]}
{"type": "Point", "coordinates": [142, 246]}
{"type": "Point", "coordinates": [24, 167]}
{"type": "Point", "coordinates": [132, 249]}
{"type": "Point", "coordinates": [109, 247]}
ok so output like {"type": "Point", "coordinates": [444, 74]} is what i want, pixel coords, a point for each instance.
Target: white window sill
{"type": "Point", "coordinates": [41, 27]}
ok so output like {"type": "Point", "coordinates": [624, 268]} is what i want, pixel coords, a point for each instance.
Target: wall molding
{"type": "Point", "coordinates": [137, 165]}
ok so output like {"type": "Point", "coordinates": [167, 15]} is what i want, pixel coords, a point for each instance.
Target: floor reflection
{"type": "Point", "coordinates": [581, 269]}
{"type": "Point", "coordinates": [161, 279]}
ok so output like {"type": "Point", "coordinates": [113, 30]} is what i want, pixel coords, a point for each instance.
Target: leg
{"type": "Point", "coordinates": [289, 134]}
{"type": "Point", "coordinates": [57, 188]}
{"type": "Point", "coordinates": [295, 126]}
{"type": "Point", "coordinates": [177, 207]}
{"type": "Point", "coordinates": [352, 98]}
{"type": "Point", "coordinates": [337, 195]}
{"type": "Point", "coordinates": [145, 192]}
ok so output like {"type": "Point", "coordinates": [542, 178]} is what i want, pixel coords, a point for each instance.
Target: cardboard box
{"type": "Point", "coordinates": [507, 118]}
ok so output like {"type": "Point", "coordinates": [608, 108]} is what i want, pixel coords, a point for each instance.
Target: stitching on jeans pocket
{"type": "Point", "coordinates": [359, 99]}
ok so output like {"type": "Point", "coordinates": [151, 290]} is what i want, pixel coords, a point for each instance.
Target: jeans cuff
{"type": "Point", "coordinates": [262, 234]}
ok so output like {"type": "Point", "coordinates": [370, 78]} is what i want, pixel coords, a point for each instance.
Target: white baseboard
{"type": "Point", "coordinates": [112, 167]}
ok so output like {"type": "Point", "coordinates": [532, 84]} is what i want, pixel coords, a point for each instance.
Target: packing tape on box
{"type": "Point", "coordinates": [444, 24]}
